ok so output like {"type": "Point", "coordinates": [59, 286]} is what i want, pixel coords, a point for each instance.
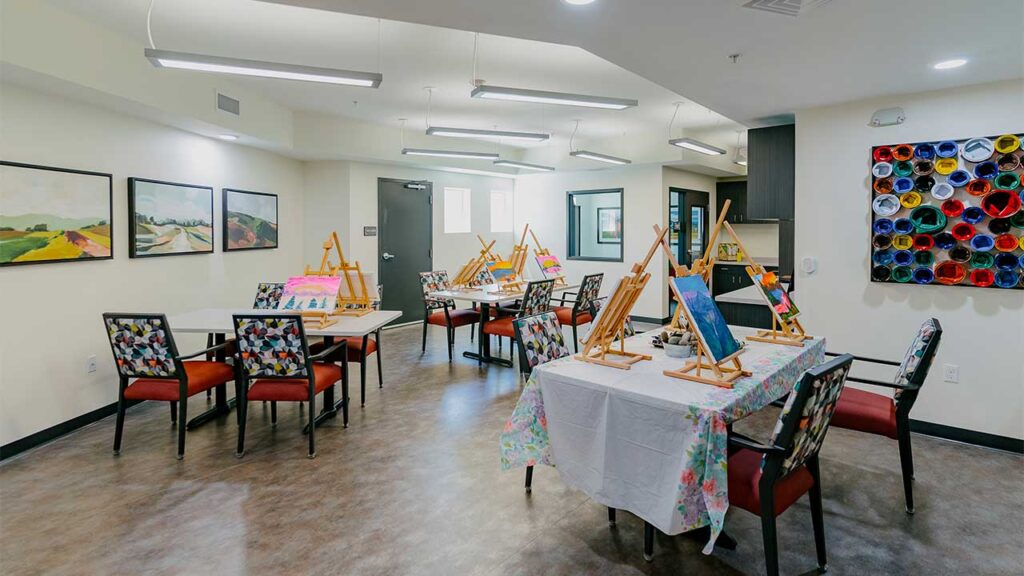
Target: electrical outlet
{"type": "Point", "coordinates": [951, 373]}
{"type": "Point", "coordinates": [90, 364]}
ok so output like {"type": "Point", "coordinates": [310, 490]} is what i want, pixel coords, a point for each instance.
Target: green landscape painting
{"type": "Point", "coordinates": [250, 220]}
{"type": "Point", "coordinates": [169, 219]}
{"type": "Point", "coordinates": [53, 215]}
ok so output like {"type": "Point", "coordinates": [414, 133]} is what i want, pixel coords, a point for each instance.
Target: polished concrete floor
{"type": "Point", "coordinates": [414, 486]}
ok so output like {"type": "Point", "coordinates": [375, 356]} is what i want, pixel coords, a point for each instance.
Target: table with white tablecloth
{"type": "Point", "coordinates": [640, 441]}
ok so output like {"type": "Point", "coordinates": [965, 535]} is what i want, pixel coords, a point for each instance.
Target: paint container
{"type": "Point", "coordinates": [978, 187]}
{"type": "Point", "coordinates": [952, 208]}
{"type": "Point", "coordinates": [982, 260]}
{"type": "Point", "coordinates": [961, 254]}
{"type": "Point", "coordinates": [903, 257]}
{"type": "Point", "coordinates": [1007, 181]}
{"type": "Point", "coordinates": [959, 178]}
{"type": "Point", "coordinates": [945, 166]}
{"type": "Point", "coordinates": [881, 241]}
{"type": "Point", "coordinates": [882, 257]}
{"type": "Point", "coordinates": [923, 167]}
{"type": "Point", "coordinates": [982, 243]}
{"type": "Point", "coordinates": [903, 152]}
{"type": "Point", "coordinates": [924, 258]}
{"type": "Point", "coordinates": [902, 242]}
{"type": "Point", "coordinates": [1006, 279]}
{"type": "Point", "coordinates": [924, 275]}
{"type": "Point", "coordinates": [950, 273]}
{"type": "Point", "coordinates": [1007, 143]}
{"type": "Point", "coordinates": [904, 168]}
{"type": "Point", "coordinates": [1006, 162]}
{"type": "Point", "coordinates": [883, 186]}
{"type": "Point", "coordinates": [1001, 204]}
{"type": "Point", "coordinates": [882, 154]}
{"type": "Point", "coordinates": [986, 170]}
{"type": "Point", "coordinates": [928, 219]}
{"type": "Point", "coordinates": [881, 170]}
{"type": "Point", "coordinates": [924, 151]}
{"type": "Point", "coordinates": [881, 273]}
{"type": "Point", "coordinates": [945, 149]}
{"type": "Point", "coordinates": [973, 215]}
{"type": "Point", "coordinates": [963, 231]}
{"type": "Point", "coordinates": [910, 200]}
{"type": "Point", "coordinates": [902, 185]}
{"type": "Point", "coordinates": [924, 183]}
{"type": "Point", "coordinates": [982, 277]}
{"type": "Point", "coordinates": [999, 226]}
{"type": "Point", "coordinates": [925, 242]}
{"type": "Point", "coordinates": [942, 191]}
{"type": "Point", "coordinates": [944, 241]}
{"type": "Point", "coordinates": [1006, 242]}
{"type": "Point", "coordinates": [905, 226]}
{"type": "Point", "coordinates": [902, 274]}
{"type": "Point", "coordinates": [882, 226]}
{"type": "Point", "coordinates": [1006, 261]}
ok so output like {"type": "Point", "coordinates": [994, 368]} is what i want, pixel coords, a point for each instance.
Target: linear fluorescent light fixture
{"type": "Point", "coordinates": [449, 154]}
{"type": "Point", "coordinates": [473, 133]}
{"type": "Point", "coordinates": [542, 97]}
{"type": "Point", "coordinates": [599, 157]}
{"type": "Point", "coordinates": [524, 165]}
{"type": "Point", "coordinates": [205, 63]}
{"type": "Point", "coordinates": [697, 146]}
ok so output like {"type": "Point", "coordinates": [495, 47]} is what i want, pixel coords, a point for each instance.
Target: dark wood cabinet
{"type": "Point", "coordinates": [750, 315]}
{"type": "Point", "coordinates": [736, 193]}
{"type": "Point", "coordinates": [731, 277]}
{"type": "Point", "coordinates": [771, 173]}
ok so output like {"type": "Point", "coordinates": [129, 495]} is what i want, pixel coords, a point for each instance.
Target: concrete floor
{"type": "Point", "coordinates": [413, 486]}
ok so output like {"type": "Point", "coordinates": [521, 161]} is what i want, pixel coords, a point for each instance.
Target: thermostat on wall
{"type": "Point", "coordinates": [809, 265]}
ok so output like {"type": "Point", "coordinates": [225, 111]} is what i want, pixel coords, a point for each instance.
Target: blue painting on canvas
{"type": "Point", "coordinates": [707, 320]}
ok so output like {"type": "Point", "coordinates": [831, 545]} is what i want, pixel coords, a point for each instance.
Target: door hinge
{"type": "Point", "coordinates": [430, 253]}
{"type": "Point", "coordinates": [430, 199]}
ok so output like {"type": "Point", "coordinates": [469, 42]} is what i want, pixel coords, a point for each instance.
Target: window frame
{"type": "Point", "coordinates": [469, 212]}
{"type": "Point", "coordinates": [571, 216]}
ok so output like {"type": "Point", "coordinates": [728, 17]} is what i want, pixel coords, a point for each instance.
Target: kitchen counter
{"type": "Point", "coordinates": [748, 295]}
{"type": "Point", "coordinates": [762, 261]}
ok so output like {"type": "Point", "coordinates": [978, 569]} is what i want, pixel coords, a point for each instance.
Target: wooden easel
{"type": "Point", "coordinates": [611, 323]}
{"type": "Point", "coordinates": [519, 252]}
{"type": "Point", "coordinates": [357, 303]}
{"type": "Point", "coordinates": [542, 251]}
{"type": "Point", "coordinates": [469, 270]}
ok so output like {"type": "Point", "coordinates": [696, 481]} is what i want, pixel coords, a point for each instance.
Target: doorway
{"type": "Point", "coordinates": [688, 216]}
{"type": "Point", "coordinates": [404, 244]}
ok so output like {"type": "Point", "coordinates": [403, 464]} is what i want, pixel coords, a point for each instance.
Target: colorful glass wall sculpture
{"type": "Point", "coordinates": [949, 212]}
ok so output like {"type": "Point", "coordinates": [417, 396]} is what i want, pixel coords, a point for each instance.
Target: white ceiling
{"type": "Point", "coordinates": [413, 56]}
{"type": "Point", "coordinates": [841, 51]}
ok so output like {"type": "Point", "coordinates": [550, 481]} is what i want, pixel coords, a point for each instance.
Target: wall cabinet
{"type": "Point", "coordinates": [731, 277]}
{"type": "Point", "coordinates": [771, 173]}
{"type": "Point", "coordinates": [735, 192]}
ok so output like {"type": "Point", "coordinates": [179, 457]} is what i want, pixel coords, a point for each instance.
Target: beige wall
{"type": "Point", "coordinates": [984, 328]}
{"type": "Point", "coordinates": [51, 312]}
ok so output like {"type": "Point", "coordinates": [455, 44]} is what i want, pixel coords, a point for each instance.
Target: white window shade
{"type": "Point", "coordinates": [457, 214]}
{"type": "Point", "coordinates": [501, 211]}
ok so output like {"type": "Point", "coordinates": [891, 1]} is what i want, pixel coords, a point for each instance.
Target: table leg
{"type": "Point", "coordinates": [483, 353]}
{"type": "Point", "coordinates": [648, 542]}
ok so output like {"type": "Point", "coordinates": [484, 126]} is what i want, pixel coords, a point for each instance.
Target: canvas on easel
{"type": "Point", "coordinates": [470, 271]}
{"type": "Point", "coordinates": [549, 264]}
{"type": "Point", "coordinates": [356, 300]}
{"type": "Point", "coordinates": [314, 296]}
{"type": "Point", "coordinates": [786, 328]}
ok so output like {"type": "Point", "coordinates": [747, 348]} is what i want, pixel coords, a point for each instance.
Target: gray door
{"type": "Point", "coordinates": [404, 243]}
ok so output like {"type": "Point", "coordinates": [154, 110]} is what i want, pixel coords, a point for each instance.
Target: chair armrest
{"type": "Point", "coordinates": [204, 351]}
{"type": "Point", "coordinates": [565, 298]}
{"type": "Point", "coordinates": [329, 350]}
{"type": "Point", "coordinates": [877, 383]}
{"type": "Point", "coordinates": [866, 359]}
{"type": "Point", "coordinates": [742, 441]}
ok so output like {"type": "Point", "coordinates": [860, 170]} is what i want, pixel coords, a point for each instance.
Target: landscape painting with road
{"type": "Point", "coordinates": [51, 215]}
{"type": "Point", "coordinates": [170, 218]}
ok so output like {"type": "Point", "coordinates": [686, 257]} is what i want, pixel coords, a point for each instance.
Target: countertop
{"type": "Point", "coordinates": [762, 261]}
{"type": "Point", "coordinates": [748, 295]}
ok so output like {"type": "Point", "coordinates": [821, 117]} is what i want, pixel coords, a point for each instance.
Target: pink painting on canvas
{"type": "Point", "coordinates": [319, 293]}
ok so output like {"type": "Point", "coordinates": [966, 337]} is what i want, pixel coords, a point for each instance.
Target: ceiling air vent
{"type": "Point", "coordinates": [787, 7]}
{"type": "Point", "coordinates": [228, 104]}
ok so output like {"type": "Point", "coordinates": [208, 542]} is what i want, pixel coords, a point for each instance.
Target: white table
{"type": "Point", "coordinates": [485, 297]}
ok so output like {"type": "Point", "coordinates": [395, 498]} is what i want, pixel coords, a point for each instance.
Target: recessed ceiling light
{"type": "Point", "coordinates": [544, 97]}
{"type": "Point", "coordinates": [950, 64]}
{"type": "Point", "coordinates": [449, 154]}
{"type": "Point", "coordinates": [205, 63]}
{"type": "Point", "coordinates": [599, 157]}
{"type": "Point", "coordinates": [579, 2]}
{"type": "Point", "coordinates": [229, 137]}
{"type": "Point", "coordinates": [473, 133]}
{"type": "Point", "coordinates": [697, 146]}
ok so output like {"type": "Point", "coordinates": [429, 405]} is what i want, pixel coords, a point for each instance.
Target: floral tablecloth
{"type": "Point", "coordinates": [640, 441]}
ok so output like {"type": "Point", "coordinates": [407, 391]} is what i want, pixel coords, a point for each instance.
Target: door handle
{"type": "Point", "coordinates": [387, 256]}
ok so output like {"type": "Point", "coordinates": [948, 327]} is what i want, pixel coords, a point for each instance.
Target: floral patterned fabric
{"type": "Point", "coordinates": [541, 338]}
{"type": "Point", "coordinates": [435, 281]}
{"type": "Point", "coordinates": [271, 346]}
{"type": "Point", "coordinates": [589, 291]}
{"type": "Point", "coordinates": [142, 346]}
{"type": "Point", "coordinates": [813, 423]}
{"type": "Point", "coordinates": [268, 294]}
{"type": "Point", "coordinates": [694, 452]}
{"type": "Point", "coordinates": [537, 298]}
{"type": "Point", "coordinates": [915, 354]}
{"type": "Point", "coordinates": [482, 278]}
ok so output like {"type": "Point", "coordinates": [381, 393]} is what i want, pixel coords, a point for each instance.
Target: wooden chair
{"type": "Point", "coordinates": [890, 416]}
{"type": "Point", "coordinates": [539, 339]}
{"type": "Point", "coordinates": [443, 312]}
{"type": "Point", "coordinates": [766, 479]}
{"type": "Point", "coordinates": [536, 299]}
{"type": "Point", "coordinates": [275, 365]}
{"type": "Point", "coordinates": [150, 368]}
{"type": "Point", "coordinates": [582, 310]}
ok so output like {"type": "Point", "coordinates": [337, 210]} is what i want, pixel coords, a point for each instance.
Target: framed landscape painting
{"type": "Point", "coordinates": [250, 220]}
{"type": "Point", "coordinates": [169, 219]}
{"type": "Point", "coordinates": [54, 215]}
{"type": "Point", "coordinates": [609, 225]}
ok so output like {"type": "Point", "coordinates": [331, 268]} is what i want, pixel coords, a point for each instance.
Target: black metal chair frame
{"type": "Point", "coordinates": [449, 329]}
{"type": "Point", "coordinates": [516, 311]}
{"type": "Point", "coordinates": [576, 302]}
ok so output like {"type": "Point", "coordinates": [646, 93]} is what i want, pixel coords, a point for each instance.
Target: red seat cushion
{"type": "Point", "coordinates": [565, 316]}
{"type": "Point", "coordinates": [295, 389]}
{"type": "Point", "coordinates": [745, 477]}
{"type": "Point", "coordinates": [500, 327]}
{"type": "Point", "coordinates": [202, 376]}
{"type": "Point", "coordinates": [866, 412]}
{"type": "Point", "coordinates": [462, 317]}
{"type": "Point", "coordinates": [355, 348]}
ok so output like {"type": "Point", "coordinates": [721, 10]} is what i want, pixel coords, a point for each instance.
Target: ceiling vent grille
{"type": "Point", "coordinates": [228, 104]}
{"type": "Point", "coordinates": [786, 7]}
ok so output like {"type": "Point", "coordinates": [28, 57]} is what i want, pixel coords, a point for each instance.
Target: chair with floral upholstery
{"type": "Point", "coordinates": [890, 416]}
{"type": "Point", "coordinates": [540, 340]}
{"type": "Point", "coordinates": [268, 294]}
{"type": "Point", "coordinates": [582, 310]}
{"type": "Point", "coordinates": [150, 368]}
{"type": "Point", "coordinates": [766, 479]}
{"type": "Point", "coordinates": [443, 312]}
{"type": "Point", "coordinates": [275, 365]}
{"type": "Point", "coordinates": [536, 299]}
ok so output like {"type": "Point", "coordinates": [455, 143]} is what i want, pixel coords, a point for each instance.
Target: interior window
{"type": "Point", "coordinates": [595, 225]}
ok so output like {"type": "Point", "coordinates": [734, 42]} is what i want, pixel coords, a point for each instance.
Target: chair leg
{"type": "Point", "coordinates": [182, 419]}
{"type": "Point", "coordinates": [119, 426]}
{"type": "Point", "coordinates": [362, 381]}
{"type": "Point", "coordinates": [273, 413]}
{"type": "Point", "coordinates": [424, 347]}
{"type": "Point", "coordinates": [344, 390]}
{"type": "Point", "coordinates": [611, 516]}
{"type": "Point", "coordinates": [907, 463]}
{"type": "Point", "coordinates": [380, 369]}
{"type": "Point", "coordinates": [575, 340]}
{"type": "Point", "coordinates": [174, 412]}
{"type": "Point", "coordinates": [648, 541]}
{"type": "Point", "coordinates": [529, 479]}
{"type": "Point", "coordinates": [771, 544]}
{"type": "Point", "coordinates": [450, 332]}
{"type": "Point", "coordinates": [243, 415]}
{"type": "Point", "coordinates": [312, 426]}
{"type": "Point", "coordinates": [817, 514]}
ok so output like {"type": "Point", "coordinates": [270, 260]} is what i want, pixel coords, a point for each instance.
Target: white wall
{"type": "Point", "coordinates": [51, 312]}
{"type": "Point", "coordinates": [984, 328]}
{"type": "Point", "coordinates": [327, 186]}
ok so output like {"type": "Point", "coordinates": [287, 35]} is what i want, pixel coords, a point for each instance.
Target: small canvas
{"type": "Point", "coordinates": [706, 320]}
{"type": "Point", "coordinates": [371, 285]}
{"type": "Point", "coordinates": [550, 267]}
{"type": "Point", "coordinates": [503, 271]}
{"type": "Point", "coordinates": [775, 295]}
{"type": "Point", "coordinates": [310, 293]}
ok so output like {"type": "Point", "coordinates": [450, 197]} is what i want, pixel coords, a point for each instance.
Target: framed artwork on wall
{"type": "Point", "coordinates": [169, 219]}
{"type": "Point", "coordinates": [609, 225]}
{"type": "Point", "coordinates": [250, 220]}
{"type": "Point", "coordinates": [52, 214]}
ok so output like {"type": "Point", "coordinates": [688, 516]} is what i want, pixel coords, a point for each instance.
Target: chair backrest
{"type": "Point", "coordinates": [380, 297]}
{"type": "Point", "coordinates": [143, 346]}
{"type": "Point", "coordinates": [537, 298]}
{"type": "Point", "coordinates": [483, 278]}
{"type": "Point", "coordinates": [804, 420]}
{"type": "Point", "coordinates": [435, 281]}
{"type": "Point", "coordinates": [590, 288]}
{"type": "Point", "coordinates": [916, 363]}
{"type": "Point", "coordinates": [272, 346]}
{"type": "Point", "coordinates": [540, 339]}
{"type": "Point", "coordinates": [268, 294]}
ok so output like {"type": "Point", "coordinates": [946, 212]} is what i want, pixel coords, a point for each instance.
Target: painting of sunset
{"type": "Point", "coordinates": [53, 214]}
{"type": "Point", "coordinates": [169, 219]}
